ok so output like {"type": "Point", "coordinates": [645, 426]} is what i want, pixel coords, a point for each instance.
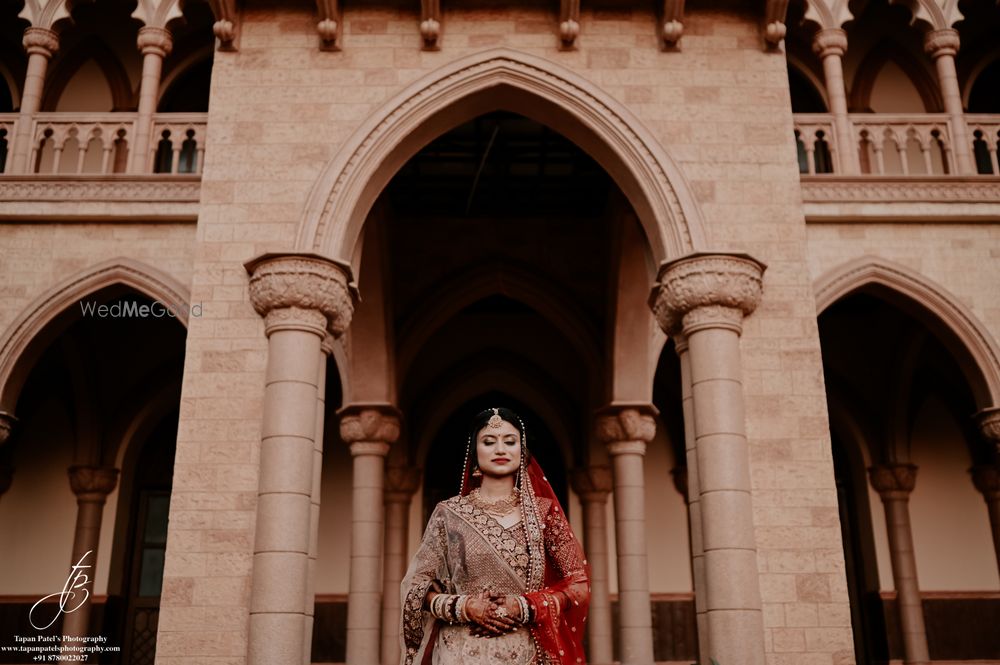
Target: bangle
{"type": "Point", "coordinates": [462, 609]}
{"type": "Point", "coordinates": [523, 604]}
{"type": "Point", "coordinates": [452, 610]}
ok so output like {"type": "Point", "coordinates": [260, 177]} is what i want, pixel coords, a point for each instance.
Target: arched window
{"type": "Point", "coordinates": [188, 93]}
{"type": "Point", "coordinates": [805, 97]}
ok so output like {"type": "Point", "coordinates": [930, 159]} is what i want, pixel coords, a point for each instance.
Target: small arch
{"type": "Point", "coordinates": [966, 338]}
{"type": "Point", "coordinates": [30, 333]}
{"type": "Point", "coordinates": [860, 97]}
{"type": "Point", "coordinates": [92, 48]}
{"type": "Point", "coordinates": [500, 79]}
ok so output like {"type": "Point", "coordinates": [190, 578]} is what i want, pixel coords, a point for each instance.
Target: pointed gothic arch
{"type": "Point", "coordinates": [500, 79]}
{"type": "Point", "coordinates": [966, 338]}
{"type": "Point", "coordinates": [43, 319]}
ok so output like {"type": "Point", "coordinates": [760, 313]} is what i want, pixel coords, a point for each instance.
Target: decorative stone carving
{"type": "Point", "coordinates": [941, 42]}
{"type": "Point", "coordinates": [593, 483]}
{"type": "Point", "coordinates": [910, 189]}
{"type": "Point", "coordinates": [366, 424]}
{"type": "Point", "coordinates": [986, 478]}
{"type": "Point", "coordinates": [92, 483]}
{"type": "Point", "coordinates": [154, 40]}
{"type": "Point", "coordinates": [569, 23]}
{"type": "Point", "coordinates": [893, 481]}
{"type": "Point", "coordinates": [430, 23]}
{"type": "Point", "coordinates": [672, 23]}
{"type": "Point", "coordinates": [830, 41]}
{"type": "Point", "coordinates": [775, 12]}
{"type": "Point", "coordinates": [7, 421]}
{"type": "Point", "coordinates": [626, 429]}
{"type": "Point", "coordinates": [226, 24]}
{"type": "Point", "coordinates": [706, 290]}
{"type": "Point", "coordinates": [400, 483]}
{"type": "Point", "coordinates": [41, 40]}
{"type": "Point", "coordinates": [296, 290]}
{"type": "Point", "coordinates": [329, 26]}
{"type": "Point", "coordinates": [989, 426]}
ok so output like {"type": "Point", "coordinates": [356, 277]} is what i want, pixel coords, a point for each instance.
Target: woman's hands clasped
{"type": "Point", "coordinates": [493, 615]}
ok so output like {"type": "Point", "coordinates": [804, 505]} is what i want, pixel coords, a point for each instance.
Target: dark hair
{"type": "Point", "coordinates": [481, 420]}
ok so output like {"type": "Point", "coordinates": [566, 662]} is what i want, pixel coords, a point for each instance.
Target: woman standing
{"type": "Point", "coordinates": [499, 576]}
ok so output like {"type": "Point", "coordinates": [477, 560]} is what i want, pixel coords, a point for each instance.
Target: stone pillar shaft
{"type": "Point", "coordinates": [942, 45]}
{"type": "Point", "coordinates": [401, 483]}
{"type": "Point", "coordinates": [91, 485]}
{"type": "Point", "coordinates": [154, 44]}
{"type": "Point", "coordinates": [705, 297]}
{"type": "Point", "coordinates": [626, 430]}
{"type": "Point", "coordinates": [693, 500]}
{"type": "Point", "coordinates": [369, 430]}
{"type": "Point", "coordinates": [894, 482]}
{"type": "Point", "coordinates": [41, 44]}
{"type": "Point", "coordinates": [301, 297]}
{"type": "Point", "coordinates": [830, 45]}
{"type": "Point", "coordinates": [986, 478]}
{"type": "Point", "coordinates": [593, 485]}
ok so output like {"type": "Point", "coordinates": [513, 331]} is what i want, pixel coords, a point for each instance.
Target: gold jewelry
{"type": "Point", "coordinates": [501, 612]}
{"type": "Point", "coordinates": [500, 507]}
{"type": "Point", "coordinates": [495, 421]}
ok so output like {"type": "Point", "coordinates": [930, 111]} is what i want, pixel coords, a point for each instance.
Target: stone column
{"type": "Point", "coordinates": [154, 44]}
{"type": "Point", "coordinates": [317, 482]}
{"type": "Point", "coordinates": [830, 44]}
{"type": "Point", "coordinates": [989, 426]}
{"type": "Point", "coordinates": [7, 421]}
{"type": "Point", "coordinates": [369, 430]}
{"type": "Point", "coordinates": [625, 430]}
{"type": "Point", "coordinates": [301, 297]}
{"type": "Point", "coordinates": [41, 44]}
{"type": "Point", "coordinates": [894, 482]}
{"type": "Point", "coordinates": [400, 484]}
{"type": "Point", "coordinates": [942, 45]}
{"type": "Point", "coordinates": [706, 297]}
{"type": "Point", "coordinates": [91, 485]}
{"type": "Point", "coordinates": [986, 478]}
{"type": "Point", "coordinates": [593, 485]}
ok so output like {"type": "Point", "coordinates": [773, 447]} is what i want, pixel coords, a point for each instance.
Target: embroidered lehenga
{"type": "Point", "coordinates": [465, 550]}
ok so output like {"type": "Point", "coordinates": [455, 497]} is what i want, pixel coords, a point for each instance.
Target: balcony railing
{"type": "Point", "coordinates": [891, 144]}
{"type": "Point", "coordinates": [100, 143]}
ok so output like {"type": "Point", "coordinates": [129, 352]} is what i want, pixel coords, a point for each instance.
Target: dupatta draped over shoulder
{"type": "Point", "coordinates": [465, 550]}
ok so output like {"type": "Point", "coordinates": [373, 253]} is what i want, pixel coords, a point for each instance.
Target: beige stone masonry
{"type": "Point", "coordinates": [593, 485]}
{"type": "Point", "coordinates": [400, 485]}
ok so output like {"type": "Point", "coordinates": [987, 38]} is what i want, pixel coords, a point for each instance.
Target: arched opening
{"type": "Point", "coordinates": [805, 97]}
{"type": "Point", "coordinates": [897, 393]}
{"type": "Point", "coordinates": [87, 395]}
{"type": "Point", "coordinates": [188, 92]}
{"type": "Point", "coordinates": [984, 97]}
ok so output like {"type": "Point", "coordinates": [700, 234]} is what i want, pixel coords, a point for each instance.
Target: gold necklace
{"type": "Point", "coordinates": [500, 507]}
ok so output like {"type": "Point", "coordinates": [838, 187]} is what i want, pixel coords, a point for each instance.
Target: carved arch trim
{"type": "Point", "coordinates": [967, 339]}
{"type": "Point", "coordinates": [30, 332]}
{"type": "Point", "coordinates": [500, 79]}
{"type": "Point", "coordinates": [122, 94]}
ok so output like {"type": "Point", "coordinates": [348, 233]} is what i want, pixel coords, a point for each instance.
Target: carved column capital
{"type": "Point", "coordinates": [893, 481]}
{"type": "Point", "coordinates": [989, 426]}
{"type": "Point", "coordinates": [830, 41]}
{"type": "Point", "coordinates": [41, 40]}
{"type": "Point", "coordinates": [154, 40]}
{"type": "Point", "coordinates": [369, 429]}
{"type": "Point", "coordinates": [92, 483]}
{"type": "Point", "coordinates": [941, 42]}
{"type": "Point", "coordinates": [301, 292]}
{"type": "Point", "coordinates": [593, 484]}
{"type": "Point", "coordinates": [706, 291]}
{"type": "Point", "coordinates": [400, 483]}
{"type": "Point", "coordinates": [680, 477]}
{"type": "Point", "coordinates": [986, 478]}
{"type": "Point", "coordinates": [7, 422]}
{"type": "Point", "coordinates": [626, 429]}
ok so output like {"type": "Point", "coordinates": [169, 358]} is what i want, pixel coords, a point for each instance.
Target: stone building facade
{"type": "Point", "coordinates": [736, 265]}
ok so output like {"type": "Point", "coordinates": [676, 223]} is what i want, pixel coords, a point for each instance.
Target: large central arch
{"type": "Point", "coordinates": [500, 79]}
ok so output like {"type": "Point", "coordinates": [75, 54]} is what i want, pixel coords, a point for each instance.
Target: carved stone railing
{"type": "Point", "coordinates": [895, 144]}
{"type": "Point", "coordinates": [178, 143]}
{"type": "Point", "coordinates": [100, 143]}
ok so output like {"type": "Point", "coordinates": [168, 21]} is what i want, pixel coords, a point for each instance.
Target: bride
{"type": "Point", "coordinates": [499, 575]}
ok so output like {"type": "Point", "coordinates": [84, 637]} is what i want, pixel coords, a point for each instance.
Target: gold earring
{"type": "Point", "coordinates": [476, 473]}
